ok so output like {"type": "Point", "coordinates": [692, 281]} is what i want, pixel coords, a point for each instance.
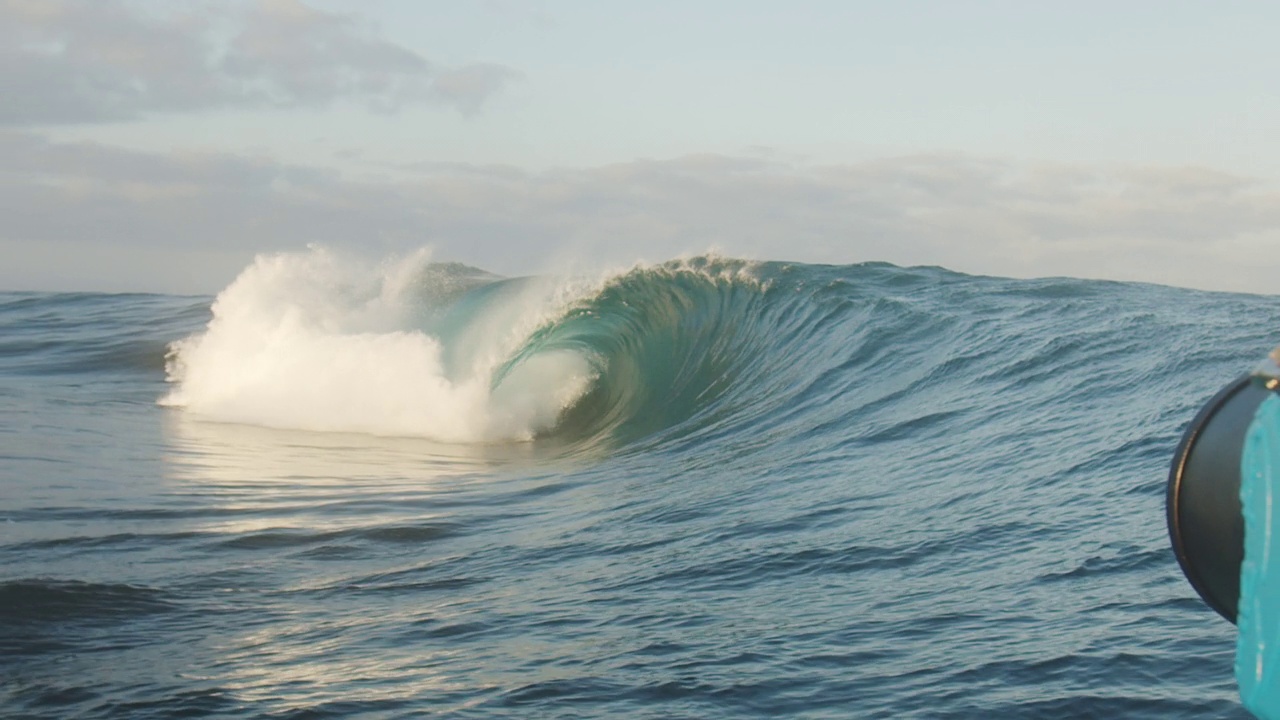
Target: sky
{"type": "Point", "coordinates": [158, 146]}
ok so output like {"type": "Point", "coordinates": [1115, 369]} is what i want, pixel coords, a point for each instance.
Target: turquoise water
{"type": "Point", "coordinates": [707, 488]}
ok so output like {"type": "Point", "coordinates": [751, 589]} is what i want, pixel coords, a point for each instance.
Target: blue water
{"type": "Point", "coordinates": [763, 490]}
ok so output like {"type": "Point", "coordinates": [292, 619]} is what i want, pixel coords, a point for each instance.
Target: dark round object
{"type": "Point", "coordinates": [1206, 526]}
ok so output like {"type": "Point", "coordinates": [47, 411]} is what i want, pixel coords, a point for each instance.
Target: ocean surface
{"type": "Point", "coordinates": [700, 489]}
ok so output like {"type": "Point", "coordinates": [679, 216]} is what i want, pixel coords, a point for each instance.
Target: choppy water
{"type": "Point", "coordinates": [701, 489]}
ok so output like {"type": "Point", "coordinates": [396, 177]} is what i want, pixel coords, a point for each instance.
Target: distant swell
{"type": "Point", "coordinates": [88, 333]}
{"type": "Point", "coordinates": [39, 600]}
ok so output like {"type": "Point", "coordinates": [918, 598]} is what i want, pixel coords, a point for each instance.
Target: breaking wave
{"type": "Point", "coordinates": [318, 341]}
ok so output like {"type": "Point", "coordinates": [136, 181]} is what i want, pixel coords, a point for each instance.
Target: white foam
{"type": "Point", "coordinates": [315, 341]}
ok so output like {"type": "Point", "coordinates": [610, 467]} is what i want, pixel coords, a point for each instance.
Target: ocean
{"type": "Point", "coordinates": [708, 488]}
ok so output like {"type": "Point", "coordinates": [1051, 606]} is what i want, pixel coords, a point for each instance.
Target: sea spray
{"type": "Point", "coordinates": [316, 341]}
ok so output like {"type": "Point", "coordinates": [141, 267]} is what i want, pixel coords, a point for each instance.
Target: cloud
{"type": "Point", "coordinates": [1178, 226]}
{"type": "Point", "coordinates": [83, 61]}
{"type": "Point", "coordinates": [467, 87]}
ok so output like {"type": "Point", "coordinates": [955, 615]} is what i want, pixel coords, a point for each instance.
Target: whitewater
{"type": "Point", "coordinates": [358, 487]}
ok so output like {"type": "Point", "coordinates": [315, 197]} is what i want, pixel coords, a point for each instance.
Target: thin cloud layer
{"type": "Point", "coordinates": [82, 61]}
{"type": "Point", "coordinates": [196, 219]}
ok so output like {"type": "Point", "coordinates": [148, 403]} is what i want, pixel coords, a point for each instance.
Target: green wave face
{"type": "Point", "coordinates": [665, 345]}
